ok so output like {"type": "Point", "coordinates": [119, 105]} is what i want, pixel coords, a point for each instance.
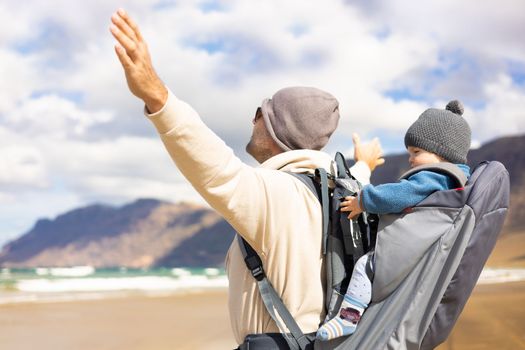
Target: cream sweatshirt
{"type": "Point", "coordinates": [274, 212]}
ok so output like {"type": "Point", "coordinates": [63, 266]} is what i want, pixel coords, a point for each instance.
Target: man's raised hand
{"type": "Point", "coordinates": [133, 54]}
{"type": "Point", "coordinates": [370, 153]}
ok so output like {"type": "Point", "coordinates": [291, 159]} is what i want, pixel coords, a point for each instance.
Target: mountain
{"type": "Point", "coordinates": [145, 233]}
{"type": "Point", "coordinates": [152, 233]}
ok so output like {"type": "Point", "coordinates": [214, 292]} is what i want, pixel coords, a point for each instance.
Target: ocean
{"type": "Point", "coordinates": [87, 283]}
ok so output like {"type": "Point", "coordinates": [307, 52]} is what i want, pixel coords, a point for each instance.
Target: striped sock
{"type": "Point", "coordinates": [345, 322]}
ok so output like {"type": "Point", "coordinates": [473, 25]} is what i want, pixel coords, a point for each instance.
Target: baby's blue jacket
{"type": "Point", "coordinates": [394, 197]}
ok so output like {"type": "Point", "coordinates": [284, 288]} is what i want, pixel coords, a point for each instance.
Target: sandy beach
{"type": "Point", "coordinates": [494, 318]}
{"type": "Point", "coordinates": [191, 321]}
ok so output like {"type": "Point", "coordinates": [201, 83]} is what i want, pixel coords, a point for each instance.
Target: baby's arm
{"type": "Point", "coordinates": [394, 197]}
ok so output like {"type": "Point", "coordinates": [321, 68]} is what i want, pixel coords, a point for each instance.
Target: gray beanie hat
{"type": "Point", "coordinates": [301, 117]}
{"type": "Point", "coordinates": [443, 132]}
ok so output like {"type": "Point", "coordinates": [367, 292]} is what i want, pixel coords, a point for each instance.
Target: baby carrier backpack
{"type": "Point", "coordinates": [427, 260]}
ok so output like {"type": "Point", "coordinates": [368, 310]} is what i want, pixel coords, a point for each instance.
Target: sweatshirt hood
{"type": "Point", "coordinates": [300, 161]}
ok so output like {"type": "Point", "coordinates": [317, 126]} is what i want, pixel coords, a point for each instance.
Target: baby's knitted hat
{"type": "Point", "coordinates": [443, 132]}
{"type": "Point", "coordinates": [301, 117]}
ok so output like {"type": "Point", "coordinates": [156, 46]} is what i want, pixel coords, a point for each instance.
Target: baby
{"type": "Point", "coordinates": [436, 136]}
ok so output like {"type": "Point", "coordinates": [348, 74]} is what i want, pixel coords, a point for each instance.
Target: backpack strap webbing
{"type": "Point", "coordinates": [318, 184]}
{"type": "Point", "coordinates": [351, 238]}
{"type": "Point", "coordinates": [271, 299]}
{"type": "Point", "coordinates": [309, 181]}
{"type": "Point", "coordinates": [322, 176]}
{"type": "Point", "coordinates": [445, 168]}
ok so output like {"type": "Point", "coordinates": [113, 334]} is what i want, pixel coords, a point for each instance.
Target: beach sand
{"type": "Point", "coordinates": [191, 321]}
{"type": "Point", "coordinates": [494, 318]}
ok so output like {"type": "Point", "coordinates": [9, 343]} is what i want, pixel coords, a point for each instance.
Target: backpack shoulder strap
{"type": "Point", "coordinates": [271, 299]}
{"type": "Point", "coordinates": [309, 181]}
{"type": "Point", "coordinates": [445, 168]}
{"type": "Point", "coordinates": [318, 184]}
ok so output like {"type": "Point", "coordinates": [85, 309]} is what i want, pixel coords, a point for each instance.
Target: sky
{"type": "Point", "coordinates": [71, 134]}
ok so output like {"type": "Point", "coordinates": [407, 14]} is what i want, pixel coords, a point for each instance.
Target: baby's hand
{"type": "Point", "coordinates": [351, 204]}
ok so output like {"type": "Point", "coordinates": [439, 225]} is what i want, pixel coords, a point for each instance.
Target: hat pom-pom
{"type": "Point", "coordinates": [455, 107]}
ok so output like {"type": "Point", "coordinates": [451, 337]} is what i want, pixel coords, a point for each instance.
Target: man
{"type": "Point", "coordinates": [272, 210]}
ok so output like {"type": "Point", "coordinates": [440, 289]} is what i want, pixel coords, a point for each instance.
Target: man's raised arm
{"type": "Point", "coordinates": [220, 177]}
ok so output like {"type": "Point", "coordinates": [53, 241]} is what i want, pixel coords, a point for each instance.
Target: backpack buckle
{"type": "Point", "coordinates": [255, 266]}
{"type": "Point", "coordinates": [258, 273]}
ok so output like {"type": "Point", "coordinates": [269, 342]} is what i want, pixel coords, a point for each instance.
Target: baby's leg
{"type": "Point", "coordinates": [360, 286]}
{"type": "Point", "coordinates": [356, 300]}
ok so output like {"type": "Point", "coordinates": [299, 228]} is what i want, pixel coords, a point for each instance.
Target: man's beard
{"type": "Point", "coordinates": [251, 148]}
{"type": "Point", "coordinates": [258, 151]}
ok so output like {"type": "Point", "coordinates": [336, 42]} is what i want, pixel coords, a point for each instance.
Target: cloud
{"type": "Point", "coordinates": [54, 117]}
{"type": "Point", "coordinates": [504, 112]}
{"type": "Point", "coordinates": [71, 133]}
{"type": "Point", "coordinates": [22, 166]}
{"type": "Point", "coordinates": [477, 42]}
{"type": "Point", "coordinates": [488, 28]}
{"type": "Point", "coordinates": [17, 81]}
{"type": "Point", "coordinates": [50, 176]}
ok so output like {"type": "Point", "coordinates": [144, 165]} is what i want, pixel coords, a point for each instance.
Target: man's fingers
{"type": "Point", "coordinates": [129, 45]}
{"type": "Point", "coordinates": [124, 15]}
{"type": "Point", "coordinates": [380, 161]}
{"type": "Point", "coordinates": [355, 138]}
{"type": "Point", "coordinates": [123, 57]}
{"type": "Point", "coordinates": [377, 146]}
{"type": "Point", "coordinates": [123, 26]}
